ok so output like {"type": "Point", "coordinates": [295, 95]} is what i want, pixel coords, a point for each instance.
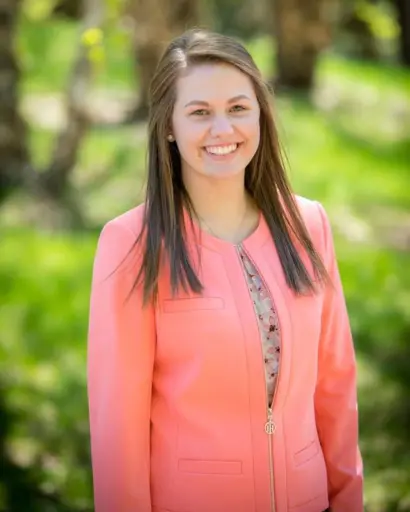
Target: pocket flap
{"type": "Point", "coordinates": [192, 304]}
{"type": "Point", "coordinates": [306, 453]}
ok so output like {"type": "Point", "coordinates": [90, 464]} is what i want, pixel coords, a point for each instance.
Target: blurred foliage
{"type": "Point", "coordinates": [379, 18]}
{"type": "Point", "coordinates": [349, 148]}
{"type": "Point", "coordinates": [245, 19]}
{"type": "Point", "coordinates": [37, 10]}
{"type": "Point", "coordinates": [40, 46]}
{"type": "Point", "coordinates": [93, 40]}
{"type": "Point", "coordinates": [42, 353]}
{"type": "Point", "coordinates": [368, 25]}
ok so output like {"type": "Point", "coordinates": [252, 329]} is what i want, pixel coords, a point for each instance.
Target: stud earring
{"type": "Point", "coordinates": [170, 138]}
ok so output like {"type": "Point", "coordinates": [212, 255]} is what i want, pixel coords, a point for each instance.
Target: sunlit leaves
{"type": "Point", "coordinates": [38, 10]}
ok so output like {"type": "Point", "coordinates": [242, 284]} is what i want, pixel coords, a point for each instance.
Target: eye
{"type": "Point", "coordinates": [238, 108]}
{"type": "Point", "coordinates": [199, 112]}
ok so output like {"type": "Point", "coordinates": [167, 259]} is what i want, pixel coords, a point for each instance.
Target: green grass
{"type": "Point", "coordinates": [381, 78]}
{"type": "Point", "coordinates": [326, 158]}
{"type": "Point", "coordinates": [344, 157]}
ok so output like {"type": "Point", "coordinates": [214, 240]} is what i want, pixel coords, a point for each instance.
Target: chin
{"type": "Point", "coordinates": [224, 173]}
{"type": "Point", "coordinates": [236, 169]}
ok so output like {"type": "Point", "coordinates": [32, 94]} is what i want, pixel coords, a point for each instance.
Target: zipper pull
{"type": "Point", "coordinates": [270, 426]}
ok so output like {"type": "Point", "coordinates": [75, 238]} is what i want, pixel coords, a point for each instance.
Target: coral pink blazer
{"type": "Point", "coordinates": [177, 391]}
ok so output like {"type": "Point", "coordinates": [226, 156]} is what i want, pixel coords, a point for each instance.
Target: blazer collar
{"type": "Point", "coordinates": [199, 236]}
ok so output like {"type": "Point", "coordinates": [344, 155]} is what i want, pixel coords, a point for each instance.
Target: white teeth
{"type": "Point", "coordinates": [222, 150]}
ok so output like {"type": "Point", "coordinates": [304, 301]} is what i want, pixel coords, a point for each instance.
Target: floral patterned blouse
{"type": "Point", "coordinates": [268, 323]}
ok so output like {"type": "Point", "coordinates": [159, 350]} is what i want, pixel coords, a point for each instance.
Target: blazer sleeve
{"type": "Point", "coordinates": [121, 340]}
{"type": "Point", "coordinates": [336, 392]}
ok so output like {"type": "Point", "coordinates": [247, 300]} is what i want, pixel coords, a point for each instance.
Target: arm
{"type": "Point", "coordinates": [335, 397]}
{"type": "Point", "coordinates": [121, 342]}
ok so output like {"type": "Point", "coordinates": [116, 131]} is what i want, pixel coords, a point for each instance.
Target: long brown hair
{"type": "Point", "coordinates": [265, 179]}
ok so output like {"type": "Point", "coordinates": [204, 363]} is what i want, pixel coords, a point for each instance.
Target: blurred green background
{"type": "Point", "coordinates": [73, 81]}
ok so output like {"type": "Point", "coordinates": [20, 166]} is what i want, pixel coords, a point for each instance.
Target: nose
{"type": "Point", "coordinates": [221, 126]}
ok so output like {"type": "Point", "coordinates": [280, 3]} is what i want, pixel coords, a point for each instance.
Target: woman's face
{"type": "Point", "coordinates": [215, 121]}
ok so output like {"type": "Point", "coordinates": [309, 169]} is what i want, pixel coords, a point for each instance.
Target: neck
{"type": "Point", "coordinates": [223, 206]}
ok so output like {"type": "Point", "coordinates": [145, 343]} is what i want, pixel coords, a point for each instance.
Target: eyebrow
{"type": "Point", "coordinates": [206, 104]}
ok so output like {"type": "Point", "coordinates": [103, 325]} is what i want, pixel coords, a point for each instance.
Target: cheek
{"type": "Point", "coordinates": [189, 142]}
{"type": "Point", "coordinates": [251, 131]}
{"type": "Point", "coordinates": [249, 125]}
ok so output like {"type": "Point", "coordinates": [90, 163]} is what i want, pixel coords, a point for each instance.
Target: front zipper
{"type": "Point", "coordinates": [270, 433]}
{"type": "Point", "coordinates": [270, 426]}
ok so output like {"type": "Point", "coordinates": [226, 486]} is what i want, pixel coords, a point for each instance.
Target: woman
{"type": "Point", "coordinates": [221, 367]}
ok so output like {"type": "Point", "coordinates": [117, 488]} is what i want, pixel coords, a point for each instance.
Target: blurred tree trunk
{"type": "Point", "coordinates": [302, 29]}
{"type": "Point", "coordinates": [14, 158]}
{"type": "Point", "coordinates": [403, 11]}
{"type": "Point", "coordinates": [56, 178]}
{"type": "Point", "coordinates": [51, 187]}
{"type": "Point", "coordinates": [156, 22]}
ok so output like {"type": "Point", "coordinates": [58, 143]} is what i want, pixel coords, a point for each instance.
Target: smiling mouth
{"type": "Point", "coordinates": [222, 150]}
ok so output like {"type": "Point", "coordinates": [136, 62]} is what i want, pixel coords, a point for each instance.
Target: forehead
{"type": "Point", "coordinates": [213, 82]}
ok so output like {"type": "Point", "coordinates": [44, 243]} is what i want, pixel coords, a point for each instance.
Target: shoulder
{"type": "Point", "coordinates": [131, 221]}
{"type": "Point", "coordinates": [118, 238]}
{"type": "Point", "coordinates": [317, 223]}
{"type": "Point", "coordinates": [310, 212]}
{"type": "Point", "coordinates": [125, 228]}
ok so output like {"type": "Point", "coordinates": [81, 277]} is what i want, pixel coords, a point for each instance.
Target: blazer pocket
{"type": "Point", "coordinates": [210, 467]}
{"type": "Point", "coordinates": [307, 453]}
{"type": "Point", "coordinates": [192, 304]}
